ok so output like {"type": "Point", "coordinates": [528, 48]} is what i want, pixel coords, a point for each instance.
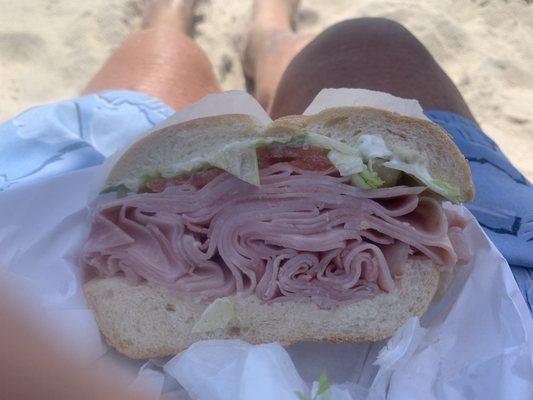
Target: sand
{"type": "Point", "coordinates": [49, 49]}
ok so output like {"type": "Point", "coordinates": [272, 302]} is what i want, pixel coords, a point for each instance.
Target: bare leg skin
{"type": "Point", "coordinates": [173, 14]}
{"type": "Point", "coordinates": [370, 53]}
{"type": "Point", "coordinates": [271, 46]}
{"type": "Point", "coordinates": [161, 60]}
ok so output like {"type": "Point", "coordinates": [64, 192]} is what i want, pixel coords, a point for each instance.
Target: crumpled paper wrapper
{"type": "Point", "coordinates": [474, 342]}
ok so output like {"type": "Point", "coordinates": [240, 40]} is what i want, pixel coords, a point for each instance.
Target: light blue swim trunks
{"type": "Point", "coordinates": [73, 134]}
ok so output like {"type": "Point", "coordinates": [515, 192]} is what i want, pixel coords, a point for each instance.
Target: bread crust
{"type": "Point", "coordinates": [181, 143]}
{"type": "Point", "coordinates": [142, 321]}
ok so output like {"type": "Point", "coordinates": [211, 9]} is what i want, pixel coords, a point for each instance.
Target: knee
{"type": "Point", "coordinates": [169, 44]}
{"type": "Point", "coordinates": [375, 24]}
{"type": "Point", "coordinates": [381, 34]}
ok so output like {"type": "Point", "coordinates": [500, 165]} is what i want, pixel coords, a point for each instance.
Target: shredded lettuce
{"type": "Point", "coordinates": [326, 142]}
{"type": "Point", "coordinates": [240, 161]}
{"type": "Point", "coordinates": [144, 179]}
{"type": "Point", "coordinates": [346, 164]}
{"type": "Point", "coordinates": [323, 384]}
{"type": "Point", "coordinates": [120, 188]}
{"type": "Point", "coordinates": [447, 190]}
{"type": "Point", "coordinates": [185, 168]}
{"type": "Point", "coordinates": [389, 176]}
{"type": "Point", "coordinates": [216, 316]}
{"type": "Point", "coordinates": [366, 180]}
{"type": "Point", "coordinates": [421, 173]}
{"type": "Point", "coordinates": [322, 391]}
{"type": "Point", "coordinates": [372, 165]}
{"type": "Point", "coordinates": [299, 138]}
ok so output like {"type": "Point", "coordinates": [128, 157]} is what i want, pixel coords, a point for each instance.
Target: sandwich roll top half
{"type": "Point", "coordinates": [326, 227]}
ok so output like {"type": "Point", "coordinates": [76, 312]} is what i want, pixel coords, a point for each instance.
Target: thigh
{"type": "Point", "coordinates": [369, 53]}
{"type": "Point", "coordinates": [161, 63]}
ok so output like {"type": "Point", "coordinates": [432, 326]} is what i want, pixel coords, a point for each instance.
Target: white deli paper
{"type": "Point", "coordinates": [474, 343]}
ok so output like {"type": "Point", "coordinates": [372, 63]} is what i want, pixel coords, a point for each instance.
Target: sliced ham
{"type": "Point", "coordinates": [301, 236]}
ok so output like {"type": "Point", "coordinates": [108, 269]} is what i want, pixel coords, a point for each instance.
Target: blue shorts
{"type": "Point", "coordinates": [82, 132]}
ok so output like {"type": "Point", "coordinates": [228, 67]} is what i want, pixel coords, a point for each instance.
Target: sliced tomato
{"type": "Point", "coordinates": [309, 157]}
{"type": "Point", "coordinates": [198, 179]}
{"type": "Point", "coordinates": [201, 178]}
{"type": "Point", "coordinates": [157, 185]}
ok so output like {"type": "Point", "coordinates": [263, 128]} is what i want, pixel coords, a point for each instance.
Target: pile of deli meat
{"type": "Point", "coordinates": [304, 234]}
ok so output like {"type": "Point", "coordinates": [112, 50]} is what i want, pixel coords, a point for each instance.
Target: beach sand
{"type": "Point", "coordinates": [49, 49]}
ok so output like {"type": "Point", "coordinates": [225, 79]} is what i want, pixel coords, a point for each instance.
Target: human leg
{"type": "Point", "coordinates": [160, 60]}
{"type": "Point", "coordinates": [271, 46]}
{"type": "Point", "coordinates": [370, 53]}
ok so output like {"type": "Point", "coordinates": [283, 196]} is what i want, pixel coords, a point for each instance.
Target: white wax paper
{"type": "Point", "coordinates": [475, 342]}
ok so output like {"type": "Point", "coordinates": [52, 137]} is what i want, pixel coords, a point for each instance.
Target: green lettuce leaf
{"type": "Point", "coordinates": [366, 180]}
{"type": "Point", "coordinates": [144, 179]}
{"type": "Point", "coordinates": [323, 384]}
{"type": "Point", "coordinates": [120, 189]}
{"type": "Point", "coordinates": [421, 173]}
{"type": "Point", "coordinates": [216, 316]}
{"type": "Point", "coordinates": [346, 164]}
{"type": "Point", "coordinates": [240, 161]}
{"type": "Point", "coordinates": [322, 390]}
{"type": "Point", "coordinates": [447, 190]}
{"type": "Point", "coordinates": [389, 176]}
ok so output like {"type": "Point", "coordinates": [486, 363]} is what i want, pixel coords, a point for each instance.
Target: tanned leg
{"type": "Point", "coordinates": [271, 45]}
{"type": "Point", "coordinates": [371, 53]}
{"type": "Point", "coordinates": [160, 60]}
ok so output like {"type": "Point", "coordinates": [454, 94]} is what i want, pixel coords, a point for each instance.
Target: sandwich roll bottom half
{"type": "Point", "coordinates": [327, 227]}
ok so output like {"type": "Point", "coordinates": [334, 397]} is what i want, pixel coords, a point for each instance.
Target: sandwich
{"type": "Point", "coordinates": [329, 227]}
